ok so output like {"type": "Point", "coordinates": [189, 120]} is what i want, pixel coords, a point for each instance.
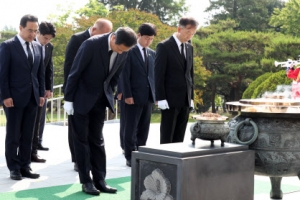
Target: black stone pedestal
{"type": "Point", "coordinates": [181, 171]}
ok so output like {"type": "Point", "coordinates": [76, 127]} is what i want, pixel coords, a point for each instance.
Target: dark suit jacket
{"type": "Point", "coordinates": [17, 78]}
{"type": "Point", "coordinates": [72, 48]}
{"type": "Point", "coordinates": [48, 63]}
{"type": "Point", "coordinates": [136, 79]}
{"type": "Point", "coordinates": [89, 78]}
{"type": "Point", "coordinates": [174, 81]}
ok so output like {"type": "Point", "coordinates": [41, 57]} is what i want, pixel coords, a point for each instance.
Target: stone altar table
{"type": "Point", "coordinates": [181, 171]}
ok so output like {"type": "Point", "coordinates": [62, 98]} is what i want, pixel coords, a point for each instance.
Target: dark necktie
{"type": "Point", "coordinates": [145, 56]}
{"type": "Point", "coordinates": [182, 55]}
{"type": "Point", "coordinates": [182, 51]}
{"type": "Point", "coordinates": [30, 56]}
{"type": "Point", "coordinates": [109, 56]}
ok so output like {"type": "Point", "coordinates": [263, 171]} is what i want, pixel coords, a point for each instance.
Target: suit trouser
{"type": "Point", "coordinates": [42, 122]}
{"type": "Point", "coordinates": [70, 138]}
{"type": "Point", "coordinates": [173, 124]}
{"type": "Point", "coordinates": [89, 142]}
{"type": "Point", "coordinates": [137, 123]}
{"type": "Point", "coordinates": [122, 122]}
{"type": "Point", "coordinates": [39, 127]}
{"type": "Point", "coordinates": [19, 133]}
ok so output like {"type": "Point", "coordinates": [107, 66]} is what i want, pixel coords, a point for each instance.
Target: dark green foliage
{"type": "Point", "coordinates": [270, 84]}
{"type": "Point", "coordinates": [7, 34]}
{"type": "Point", "coordinates": [249, 14]}
{"type": "Point", "coordinates": [252, 86]}
{"type": "Point", "coordinates": [168, 11]}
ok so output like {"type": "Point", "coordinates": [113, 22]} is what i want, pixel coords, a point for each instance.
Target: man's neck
{"type": "Point", "coordinates": [178, 37]}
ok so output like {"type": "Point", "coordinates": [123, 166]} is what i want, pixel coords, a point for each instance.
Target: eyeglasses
{"type": "Point", "coordinates": [32, 31]}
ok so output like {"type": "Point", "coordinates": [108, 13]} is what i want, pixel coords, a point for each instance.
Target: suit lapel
{"type": "Point", "coordinates": [137, 51]}
{"type": "Point", "coordinates": [188, 56]}
{"type": "Point", "coordinates": [114, 67]}
{"type": "Point", "coordinates": [36, 52]}
{"type": "Point", "coordinates": [177, 54]}
{"type": "Point", "coordinates": [21, 51]}
{"type": "Point", "coordinates": [104, 53]}
{"type": "Point", "coordinates": [47, 52]}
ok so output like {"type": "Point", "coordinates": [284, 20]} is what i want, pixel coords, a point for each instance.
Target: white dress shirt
{"type": "Point", "coordinates": [113, 55]}
{"type": "Point", "coordinates": [179, 44]}
{"type": "Point", "coordinates": [25, 47]}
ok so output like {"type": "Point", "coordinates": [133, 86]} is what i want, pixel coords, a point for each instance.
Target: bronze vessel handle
{"type": "Point", "coordinates": [247, 121]}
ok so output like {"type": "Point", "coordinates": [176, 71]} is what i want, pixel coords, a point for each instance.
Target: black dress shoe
{"type": "Point", "coordinates": [75, 167]}
{"type": "Point", "coordinates": [35, 158]}
{"type": "Point", "coordinates": [103, 187]}
{"type": "Point", "coordinates": [40, 147]}
{"type": "Point", "coordinates": [27, 173]}
{"type": "Point", "coordinates": [15, 175]}
{"type": "Point", "coordinates": [128, 163]}
{"type": "Point", "coordinates": [89, 188]}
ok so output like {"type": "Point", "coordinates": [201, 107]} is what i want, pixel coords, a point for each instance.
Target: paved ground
{"type": "Point", "coordinates": [58, 170]}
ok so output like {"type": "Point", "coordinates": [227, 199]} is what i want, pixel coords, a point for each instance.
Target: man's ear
{"type": "Point", "coordinates": [113, 38]}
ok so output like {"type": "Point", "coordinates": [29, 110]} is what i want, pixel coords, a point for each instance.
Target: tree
{"type": "Point", "coordinates": [233, 58]}
{"type": "Point", "coordinates": [168, 11]}
{"type": "Point", "coordinates": [280, 48]}
{"type": "Point", "coordinates": [249, 14]}
{"type": "Point", "coordinates": [93, 8]}
{"type": "Point", "coordinates": [7, 33]}
{"type": "Point", "coordinates": [287, 18]}
{"type": "Point", "coordinates": [200, 77]}
{"type": "Point", "coordinates": [252, 86]}
{"type": "Point", "coordinates": [134, 18]}
{"type": "Point", "coordinates": [270, 84]}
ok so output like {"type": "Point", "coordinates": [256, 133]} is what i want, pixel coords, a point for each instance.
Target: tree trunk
{"type": "Point", "coordinates": [213, 96]}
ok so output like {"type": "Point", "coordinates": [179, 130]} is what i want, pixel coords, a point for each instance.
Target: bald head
{"type": "Point", "coordinates": [101, 26]}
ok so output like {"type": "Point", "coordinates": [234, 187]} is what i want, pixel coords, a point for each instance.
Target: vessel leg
{"type": "Point", "coordinates": [276, 192]}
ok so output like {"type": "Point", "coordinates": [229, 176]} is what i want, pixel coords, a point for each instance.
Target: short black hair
{"type": "Point", "coordinates": [47, 28]}
{"type": "Point", "coordinates": [125, 36]}
{"type": "Point", "coordinates": [28, 18]}
{"type": "Point", "coordinates": [147, 29]}
{"type": "Point", "coordinates": [184, 21]}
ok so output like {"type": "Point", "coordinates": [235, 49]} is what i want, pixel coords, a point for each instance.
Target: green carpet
{"type": "Point", "coordinates": [73, 191]}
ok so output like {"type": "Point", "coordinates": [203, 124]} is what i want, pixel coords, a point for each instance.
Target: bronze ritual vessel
{"type": "Point", "coordinates": [270, 126]}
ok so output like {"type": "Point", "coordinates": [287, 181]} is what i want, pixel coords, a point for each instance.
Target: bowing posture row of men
{"type": "Point", "coordinates": [88, 91]}
{"type": "Point", "coordinates": [95, 60]}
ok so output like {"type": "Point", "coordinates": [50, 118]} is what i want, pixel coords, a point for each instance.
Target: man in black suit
{"type": "Point", "coordinates": [22, 89]}
{"type": "Point", "coordinates": [101, 26]}
{"type": "Point", "coordinates": [137, 85]}
{"type": "Point", "coordinates": [174, 80]}
{"type": "Point", "coordinates": [45, 34]}
{"type": "Point", "coordinates": [89, 90]}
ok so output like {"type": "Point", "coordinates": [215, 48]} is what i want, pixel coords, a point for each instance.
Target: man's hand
{"type": "Point", "coordinates": [129, 101]}
{"type": "Point", "coordinates": [119, 97]}
{"type": "Point", "coordinates": [8, 102]}
{"type": "Point", "coordinates": [48, 94]}
{"type": "Point", "coordinates": [163, 104]}
{"type": "Point", "coordinates": [68, 106]}
{"type": "Point", "coordinates": [42, 101]}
